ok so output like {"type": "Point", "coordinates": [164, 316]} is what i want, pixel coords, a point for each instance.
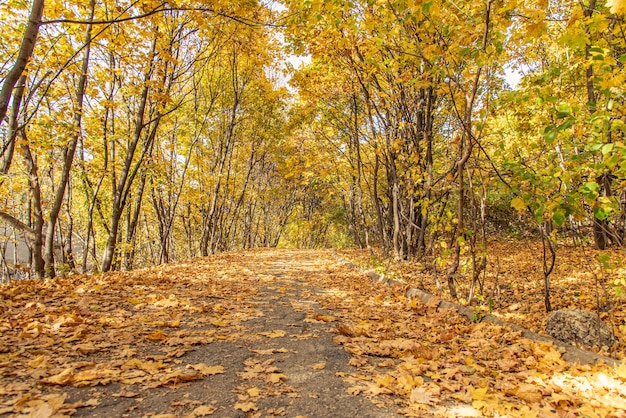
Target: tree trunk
{"type": "Point", "coordinates": [8, 147]}
{"type": "Point", "coordinates": [119, 198]}
{"type": "Point", "coordinates": [68, 154]}
{"type": "Point", "coordinates": [35, 191]}
{"type": "Point", "coordinates": [26, 51]}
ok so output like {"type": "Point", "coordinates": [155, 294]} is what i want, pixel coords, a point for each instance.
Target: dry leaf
{"type": "Point", "coordinates": [274, 334]}
{"type": "Point", "coordinates": [254, 392]}
{"type": "Point", "coordinates": [324, 318]}
{"type": "Point", "coordinates": [246, 406]}
{"type": "Point", "coordinates": [319, 366]}
{"type": "Point", "coordinates": [42, 411]}
{"type": "Point", "coordinates": [202, 411]}
{"type": "Point", "coordinates": [433, 302]}
{"type": "Point", "coordinates": [423, 396]}
{"type": "Point", "coordinates": [86, 348]}
{"type": "Point", "coordinates": [527, 392]}
{"type": "Point", "coordinates": [40, 361]}
{"type": "Point", "coordinates": [63, 378]}
{"type": "Point", "coordinates": [206, 370]}
{"type": "Point", "coordinates": [276, 377]}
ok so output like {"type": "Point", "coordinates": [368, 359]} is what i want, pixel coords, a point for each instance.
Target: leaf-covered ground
{"type": "Point", "coordinates": [272, 333]}
{"type": "Point", "coordinates": [513, 287]}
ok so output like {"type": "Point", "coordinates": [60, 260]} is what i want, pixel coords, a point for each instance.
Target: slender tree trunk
{"type": "Point", "coordinates": [8, 147]}
{"type": "Point", "coordinates": [467, 143]}
{"type": "Point", "coordinates": [26, 51]}
{"type": "Point", "coordinates": [35, 191]}
{"type": "Point", "coordinates": [131, 230]}
{"type": "Point", "coordinates": [121, 187]}
{"type": "Point", "coordinates": [68, 154]}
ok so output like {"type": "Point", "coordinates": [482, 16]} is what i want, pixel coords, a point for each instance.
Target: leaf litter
{"type": "Point", "coordinates": [67, 345]}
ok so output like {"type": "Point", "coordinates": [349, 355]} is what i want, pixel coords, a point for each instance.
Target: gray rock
{"type": "Point", "coordinates": [576, 326]}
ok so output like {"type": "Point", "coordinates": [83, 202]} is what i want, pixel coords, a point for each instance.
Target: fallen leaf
{"type": "Point", "coordinates": [433, 302]}
{"type": "Point", "coordinates": [202, 411]}
{"type": "Point", "coordinates": [527, 392]}
{"type": "Point", "coordinates": [246, 406]}
{"type": "Point", "coordinates": [254, 392]}
{"type": "Point", "coordinates": [40, 361]}
{"type": "Point", "coordinates": [63, 378]}
{"type": "Point", "coordinates": [422, 396]}
{"type": "Point", "coordinates": [270, 351]}
{"type": "Point", "coordinates": [478, 394]}
{"type": "Point", "coordinates": [206, 370]}
{"type": "Point", "coordinates": [274, 334]}
{"type": "Point", "coordinates": [42, 411]}
{"type": "Point", "coordinates": [319, 366]}
{"type": "Point", "coordinates": [324, 318]}
{"type": "Point", "coordinates": [157, 335]}
{"type": "Point", "coordinates": [355, 390]}
{"type": "Point", "coordinates": [276, 377]}
{"type": "Point", "coordinates": [86, 348]}
{"type": "Point", "coordinates": [219, 322]}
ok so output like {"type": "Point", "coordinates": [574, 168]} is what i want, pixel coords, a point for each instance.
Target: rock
{"type": "Point", "coordinates": [577, 326]}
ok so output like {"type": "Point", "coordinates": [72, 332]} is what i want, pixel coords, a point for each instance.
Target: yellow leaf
{"type": "Point", "coordinates": [202, 411]}
{"type": "Point", "coordinates": [40, 361]}
{"type": "Point", "coordinates": [324, 318]}
{"type": "Point", "coordinates": [63, 378]}
{"type": "Point", "coordinates": [617, 6]}
{"type": "Point", "coordinates": [518, 204]}
{"type": "Point", "coordinates": [42, 411]}
{"type": "Point", "coordinates": [275, 377]}
{"type": "Point", "coordinates": [207, 370]}
{"type": "Point", "coordinates": [355, 390]}
{"type": "Point", "coordinates": [421, 395]}
{"type": "Point", "coordinates": [621, 371]}
{"type": "Point", "coordinates": [254, 392]}
{"type": "Point", "coordinates": [219, 322]}
{"type": "Point", "coordinates": [270, 351]}
{"type": "Point", "coordinates": [86, 348]}
{"type": "Point", "coordinates": [433, 302]}
{"type": "Point", "coordinates": [157, 336]}
{"type": "Point", "coordinates": [86, 375]}
{"type": "Point", "coordinates": [274, 334]}
{"type": "Point", "coordinates": [478, 394]}
{"type": "Point", "coordinates": [49, 408]}
{"type": "Point", "coordinates": [319, 366]}
{"type": "Point", "coordinates": [385, 381]}
{"type": "Point", "coordinates": [528, 393]}
{"type": "Point", "coordinates": [246, 406]}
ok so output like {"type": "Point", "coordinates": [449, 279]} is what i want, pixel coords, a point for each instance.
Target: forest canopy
{"type": "Point", "coordinates": [142, 132]}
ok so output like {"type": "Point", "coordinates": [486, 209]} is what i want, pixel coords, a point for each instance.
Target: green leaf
{"type": "Point", "coordinates": [558, 217]}
{"type": "Point", "coordinates": [563, 111]}
{"type": "Point", "coordinates": [607, 148]}
{"type": "Point", "coordinates": [550, 134]}
{"type": "Point", "coordinates": [600, 213]}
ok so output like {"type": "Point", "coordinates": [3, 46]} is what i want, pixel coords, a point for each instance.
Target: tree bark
{"type": "Point", "coordinates": [119, 199]}
{"type": "Point", "coordinates": [26, 51]}
{"type": "Point", "coordinates": [68, 154]}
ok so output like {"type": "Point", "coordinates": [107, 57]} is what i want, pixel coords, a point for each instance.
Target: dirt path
{"type": "Point", "coordinates": [272, 333]}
